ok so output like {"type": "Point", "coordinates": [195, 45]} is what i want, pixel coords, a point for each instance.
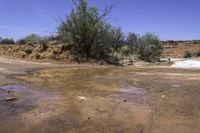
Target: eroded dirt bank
{"type": "Point", "coordinates": [102, 99]}
{"type": "Point", "coordinates": [176, 49]}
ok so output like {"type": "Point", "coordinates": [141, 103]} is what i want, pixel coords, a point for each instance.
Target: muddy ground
{"type": "Point", "coordinates": [54, 98]}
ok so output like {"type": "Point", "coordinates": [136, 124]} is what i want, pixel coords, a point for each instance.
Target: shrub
{"type": "Point", "coordinates": [187, 54]}
{"type": "Point", "coordinates": [86, 28]}
{"type": "Point", "coordinates": [52, 40]}
{"type": "Point", "coordinates": [197, 54]}
{"type": "Point", "coordinates": [124, 50]}
{"type": "Point", "coordinates": [132, 42]}
{"type": "Point", "coordinates": [7, 41]}
{"type": "Point", "coordinates": [115, 37]}
{"type": "Point", "coordinates": [93, 37]}
{"type": "Point", "coordinates": [149, 48]}
{"type": "Point", "coordinates": [21, 41]}
{"type": "Point", "coordinates": [30, 39]}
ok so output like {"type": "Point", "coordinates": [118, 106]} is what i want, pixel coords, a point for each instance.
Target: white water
{"type": "Point", "coordinates": [189, 64]}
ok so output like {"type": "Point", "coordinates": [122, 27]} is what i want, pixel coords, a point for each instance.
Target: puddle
{"type": "Point", "coordinates": [19, 101]}
{"type": "Point", "coordinates": [92, 98]}
{"type": "Point", "coordinates": [176, 86]}
{"type": "Point", "coordinates": [134, 91]}
{"type": "Point", "coordinates": [87, 99]}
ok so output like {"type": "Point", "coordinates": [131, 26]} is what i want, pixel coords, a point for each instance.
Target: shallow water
{"type": "Point", "coordinates": [90, 99]}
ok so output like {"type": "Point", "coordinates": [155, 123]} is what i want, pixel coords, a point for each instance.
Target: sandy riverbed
{"type": "Point", "coordinates": [98, 99]}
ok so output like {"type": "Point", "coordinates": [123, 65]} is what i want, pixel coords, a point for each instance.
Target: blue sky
{"type": "Point", "coordinates": [169, 19]}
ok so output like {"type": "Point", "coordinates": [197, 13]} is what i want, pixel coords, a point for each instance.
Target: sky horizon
{"type": "Point", "coordinates": [169, 20]}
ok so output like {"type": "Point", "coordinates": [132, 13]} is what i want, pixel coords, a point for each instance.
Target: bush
{"type": "Point", "coordinates": [124, 50]}
{"type": "Point", "coordinates": [90, 36]}
{"type": "Point", "coordinates": [93, 37]}
{"type": "Point", "coordinates": [30, 39]}
{"type": "Point", "coordinates": [7, 41]}
{"type": "Point", "coordinates": [132, 42]}
{"type": "Point", "coordinates": [87, 29]}
{"type": "Point", "coordinates": [197, 54]}
{"type": "Point", "coordinates": [149, 48]}
{"type": "Point", "coordinates": [52, 40]}
{"type": "Point", "coordinates": [187, 54]}
{"type": "Point", "coordinates": [21, 41]}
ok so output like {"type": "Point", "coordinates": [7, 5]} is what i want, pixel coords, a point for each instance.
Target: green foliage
{"type": "Point", "coordinates": [149, 48]}
{"type": "Point", "coordinates": [90, 36]}
{"type": "Point", "coordinates": [132, 42]}
{"type": "Point", "coordinates": [30, 39]}
{"type": "Point", "coordinates": [115, 37]}
{"type": "Point", "coordinates": [197, 54]}
{"type": "Point", "coordinates": [7, 41]}
{"type": "Point", "coordinates": [21, 41]}
{"type": "Point", "coordinates": [187, 54]}
{"type": "Point", "coordinates": [95, 38]}
{"type": "Point", "coordinates": [124, 50]}
{"type": "Point", "coordinates": [85, 27]}
{"type": "Point", "coordinates": [52, 40]}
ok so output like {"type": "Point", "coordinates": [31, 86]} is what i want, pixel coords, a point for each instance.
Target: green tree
{"type": "Point", "coordinates": [197, 54]}
{"type": "Point", "coordinates": [150, 48]}
{"type": "Point", "coordinates": [132, 43]}
{"type": "Point", "coordinates": [84, 27]}
{"type": "Point", "coordinates": [7, 41]}
{"type": "Point", "coordinates": [187, 54]}
{"type": "Point", "coordinates": [30, 39]}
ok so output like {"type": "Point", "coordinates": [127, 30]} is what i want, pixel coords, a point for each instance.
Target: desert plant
{"type": "Point", "coordinates": [116, 37]}
{"type": "Point", "coordinates": [30, 39]}
{"type": "Point", "coordinates": [197, 54]}
{"type": "Point", "coordinates": [187, 54]}
{"type": "Point", "coordinates": [124, 50]}
{"type": "Point", "coordinates": [149, 48]}
{"type": "Point", "coordinates": [52, 40]}
{"type": "Point", "coordinates": [84, 27]}
{"type": "Point", "coordinates": [21, 42]}
{"type": "Point", "coordinates": [7, 41]}
{"type": "Point", "coordinates": [132, 42]}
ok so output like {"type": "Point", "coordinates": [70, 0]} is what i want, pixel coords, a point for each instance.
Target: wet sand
{"type": "Point", "coordinates": [101, 99]}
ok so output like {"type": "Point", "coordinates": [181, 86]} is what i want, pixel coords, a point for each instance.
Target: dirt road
{"type": "Point", "coordinates": [80, 99]}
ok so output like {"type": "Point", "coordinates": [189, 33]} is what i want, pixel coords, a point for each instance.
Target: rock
{"type": "Point", "coordinates": [163, 96]}
{"type": "Point", "coordinates": [81, 97]}
{"type": "Point", "coordinates": [10, 99]}
{"type": "Point", "coordinates": [127, 62]}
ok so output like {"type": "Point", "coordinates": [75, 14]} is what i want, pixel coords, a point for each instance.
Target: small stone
{"type": "Point", "coordinates": [10, 99]}
{"type": "Point", "coordinates": [88, 118]}
{"type": "Point", "coordinates": [81, 97]}
{"type": "Point", "coordinates": [163, 96]}
{"type": "Point", "coordinates": [125, 100]}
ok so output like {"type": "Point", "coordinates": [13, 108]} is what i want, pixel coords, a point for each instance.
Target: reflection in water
{"type": "Point", "coordinates": [91, 99]}
{"type": "Point", "coordinates": [84, 99]}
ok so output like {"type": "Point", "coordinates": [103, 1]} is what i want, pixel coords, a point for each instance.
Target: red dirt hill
{"type": "Point", "coordinates": [177, 49]}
